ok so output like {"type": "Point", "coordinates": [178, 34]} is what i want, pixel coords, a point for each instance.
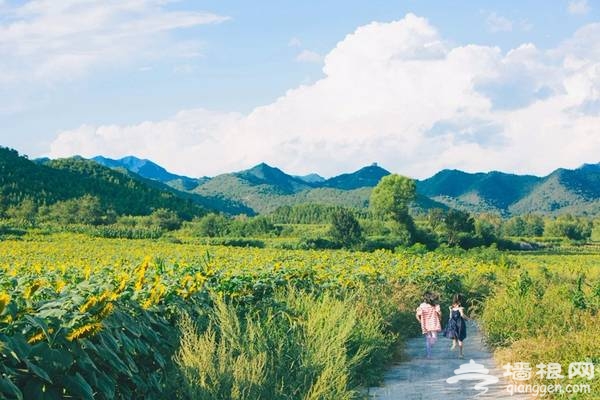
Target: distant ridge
{"type": "Point", "coordinates": [264, 188]}
{"type": "Point", "coordinates": [311, 178]}
{"type": "Point", "coordinates": [150, 170]}
{"type": "Point", "coordinates": [364, 177]}
{"type": "Point", "coordinates": [48, 181]}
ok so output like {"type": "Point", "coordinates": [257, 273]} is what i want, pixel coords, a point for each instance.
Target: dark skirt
{"type": "Point", "coordinates": [457, 328]}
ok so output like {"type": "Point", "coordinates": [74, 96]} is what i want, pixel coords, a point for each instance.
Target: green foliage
{"type": "Point", "coordinates": [488, 227]}
{"type": "Point", "coordinates": [524, 226]}
{"type": "Point", "coordinates": [213, 225]}
{"type": "Point", "coordinates": [126, 232]}
{"type": "Point", "coordinates": [85, 210]}
{"type": "Point", "coordinates": [570, 227]}
{"type": "Point", "coordinates": [391, 197]}
{"type": "Point", "coordinates": [218, 225]}
{"type": "Point", "coordinates": [59, 349]}
{"type": "Point", "coordinates": [165, 219]}
{"type": "Point", "coordinates": [457, 224]}
{"type": "Point", "coordinates": [74, 180]}
{"type": "Point", "coordinates": [24, 213]}
{"type": "Point", "coordinates": [345, 229]}
{"type": "Point", "coordinates": [300, 347]}
{"type": "Point", "coordinates": [252, 227]}
{"type": "Point", "coordinates": [309, 213]}
{"type": "Point", "coordinates": [238, 242]}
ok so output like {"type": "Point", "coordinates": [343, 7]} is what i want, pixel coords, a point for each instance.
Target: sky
{"type": "Point", "coordinates": [208, 87]}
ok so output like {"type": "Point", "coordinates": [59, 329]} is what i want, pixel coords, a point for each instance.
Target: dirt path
{"type": "Point", "coordinates": [422, 378]}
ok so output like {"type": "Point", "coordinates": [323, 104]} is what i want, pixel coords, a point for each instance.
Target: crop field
{"type": "Point", "coordinates": [85, 317]}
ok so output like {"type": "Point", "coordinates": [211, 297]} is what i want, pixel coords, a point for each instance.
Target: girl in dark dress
{"type": "Point", "coordinates": [457, 328]}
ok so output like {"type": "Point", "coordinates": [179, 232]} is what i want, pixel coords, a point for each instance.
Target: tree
{"type": "Point", "coordinates": [392, 196]}
{"type": "Point", "coordinates": [435, 218]}
{"type": "Point", "coordinates": [574, 228]}
{"type": "Point", "coordinates": [390, 200]}
{"type": "Point", "coordinates": [345, 229]}
{"type": "Point", "coordinates": [529, 225]}
{"type": "Point", "coordinates": [487, 227]}
{"type": "Point", "coordinates": [457, 224]}
{"type": "Point", "coordinates": [165, 219]}
{"type": "Point", "coordinates": [213, 225]}
{"type": "Point", "coordinates": [534, 225]}
{"type": "Point", "coordinates": [82, 210]}
{"type": "Point", "coordinates": [24, 213]}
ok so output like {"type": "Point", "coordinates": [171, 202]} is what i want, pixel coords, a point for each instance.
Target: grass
{"type": "Point", "coordinates": [301, 347]}
{"type": "Point", "coordinates": [547, 311]}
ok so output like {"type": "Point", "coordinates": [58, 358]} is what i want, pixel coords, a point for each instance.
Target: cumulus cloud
{"type": "Point", "coordinates": [47, 41]}
{"type": "Point", "coordinates": [399, 94]}
{"type": "Point", "coordinates": [578, 7]}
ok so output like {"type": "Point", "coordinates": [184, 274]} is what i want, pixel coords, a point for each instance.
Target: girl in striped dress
{"type": "Point", "coordinates": [430, 316]}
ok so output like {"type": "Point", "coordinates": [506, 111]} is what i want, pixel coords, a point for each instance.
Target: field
{"type": "Point", "coordinates": [85, 317]}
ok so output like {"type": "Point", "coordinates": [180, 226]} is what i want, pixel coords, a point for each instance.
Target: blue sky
{"type": "Point", "coordinates": [227, 72]}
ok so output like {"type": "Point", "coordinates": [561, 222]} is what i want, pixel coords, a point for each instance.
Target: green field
{"type": "Point", "coordinates": [84, 317]}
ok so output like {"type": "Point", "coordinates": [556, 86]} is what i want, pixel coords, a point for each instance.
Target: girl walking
{"type": "Point", "coordinates": [429, 315]}
{"type": "Point", "coordinates": [457, 328]}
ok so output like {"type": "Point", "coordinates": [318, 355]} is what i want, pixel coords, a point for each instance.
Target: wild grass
{"type": "Point", "coordinates": [548, 314]}
{"type": "Point", "coordinates": [302, 346]}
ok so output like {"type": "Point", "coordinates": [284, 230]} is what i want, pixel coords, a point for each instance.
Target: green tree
{"type": "Point", "coordinates": [515, 226]}
{"type": "Point", "coordinates": [165, 219]}
{"type": "Point", "coordinates": [458, 224]}
{"type": "Point", "coordinates": [528, 225]}
{"type": "Point", "coordinates": [574, 228]}
{"type": "Point", "coordinates": [344, 228]}
{"type": "Point", "coordinates": [213, 225]}
{"type": "Point", "coordinates": [487, 227]}
{"type": "Point", "coordinates": [85, 210]}
{"type": "Point", "coordinates": [534, 225]}
{"type": "Point", "coordinates": [435, 219]}
{"type": "Point", "coordinates": [391, 197]}
{"type": "Point", "coordinates": [23, 213]}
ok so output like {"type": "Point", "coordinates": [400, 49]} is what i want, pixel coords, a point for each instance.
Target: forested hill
{"type": "Point", "coordinates": [136, 186]}
{"type": "Point", "coordinates": [50, 181]}
{"type": "Point", "coordinates": [151, 170]}
{"type": "Point", "coordinates": [563, 191]}
{"type": "Point", "coordinates": [264, 188]}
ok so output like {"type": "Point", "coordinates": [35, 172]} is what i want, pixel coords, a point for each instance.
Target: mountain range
{"type": "Point", "coordinates": [136, 186]}
{"type": "Point", "coordinates": [263, 188]}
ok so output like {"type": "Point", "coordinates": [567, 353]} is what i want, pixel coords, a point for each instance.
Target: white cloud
{"type": "Point", "coordinates": [578, 7]}
{"type": "Point", "coordinates": [48, 41]}
{"type": "Point", "coordinates": [309, 56]}
{"type": "Point", "coordinates": [498, 23]}
{"type": "Point", "coordinates": [399, 94]}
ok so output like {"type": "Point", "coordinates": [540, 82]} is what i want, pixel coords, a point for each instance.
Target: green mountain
{"type": "Point", "coordinates": [311, 178]}
{"type": "Point", "coordinates": [49, 181]}
{"type": "Point", "coordinates": [264, 188]}
{"type": "Point", "coordinates": [261, 188]}
{"type": "Point", "coordinates": [480, 192]}
{"type": "Point", "coordinates": [150, 170]}
{"type": "Point", "coordinates": [574, 191]}
{"type": "Point", "coordinates": [364, 177]}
